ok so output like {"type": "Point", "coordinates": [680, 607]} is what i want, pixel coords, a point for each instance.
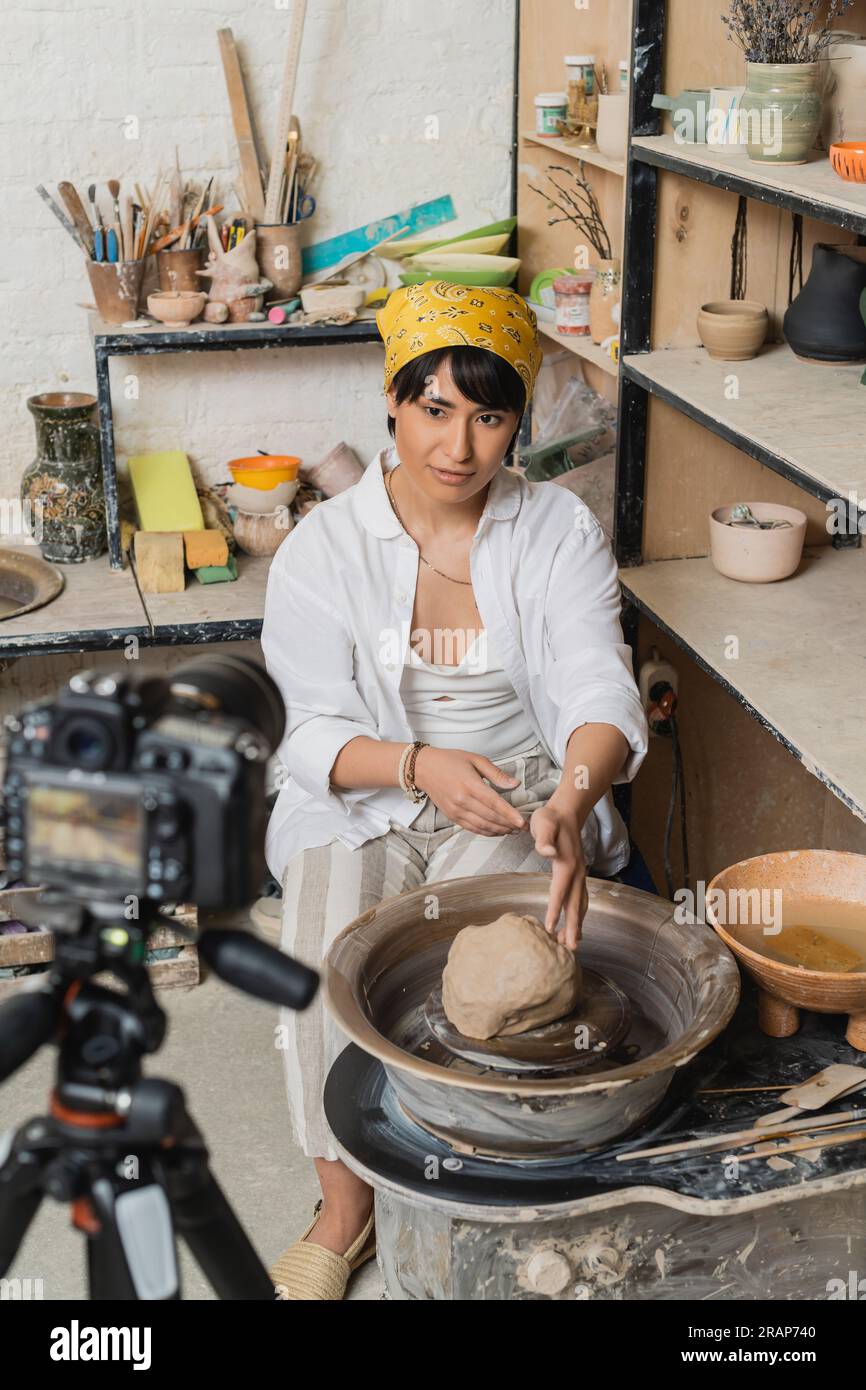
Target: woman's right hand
{"type": "Point", "coordinates": [452, 778]}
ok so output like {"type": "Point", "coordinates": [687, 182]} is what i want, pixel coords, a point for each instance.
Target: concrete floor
{"type": "Point", "coordinates": [220, 1049]}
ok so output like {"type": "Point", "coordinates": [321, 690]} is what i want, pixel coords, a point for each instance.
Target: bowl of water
{"type": "Point", "coordinates": [796, 922]}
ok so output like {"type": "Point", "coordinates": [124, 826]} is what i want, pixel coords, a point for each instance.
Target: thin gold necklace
{"type": "Point", "coordinates": [403, 524]}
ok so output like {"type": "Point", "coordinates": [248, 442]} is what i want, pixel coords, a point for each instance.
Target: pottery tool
{"type": "Point", "coordinates": [334, 250]}
{"type": "Point", "coordinates": [734, 1138]}
{"type": "Point", "coordinates": [321, 276]}
{"type": "Point", "coordinates": [128, 229]}
{"type": "Point", "coordinates": [175, 193]}
{"type": "Point", "coordinates": [284, 116]}
{"type": "Point", "coordinates": [164, 492]}
{"type": "Point", "coordinates": [177, 233]}
{"type": "Point", "coordinates": [829, 1141]}
{"type": "Point", "coordinates": [243, 128]}
{"type": "Point", "coordinates": [76, 211]}
{"type": "Point", "coordinates": [61, 217]}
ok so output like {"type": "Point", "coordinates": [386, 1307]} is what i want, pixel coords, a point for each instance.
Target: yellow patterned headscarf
{"type": "Point", "coordinates": [422, 318]}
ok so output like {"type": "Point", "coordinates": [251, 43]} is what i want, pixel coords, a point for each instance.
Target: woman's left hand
{"type": "Point", "coordinates": [556, 832]}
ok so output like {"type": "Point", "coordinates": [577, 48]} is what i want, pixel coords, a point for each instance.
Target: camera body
{"type": "Point", "coordinates": [149, 788]}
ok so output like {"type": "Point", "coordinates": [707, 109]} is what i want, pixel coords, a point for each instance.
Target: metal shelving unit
{"type": "Point", "coordinates": [109, 342]}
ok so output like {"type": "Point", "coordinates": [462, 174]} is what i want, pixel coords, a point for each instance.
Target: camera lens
{"type": "Point", "coordinates": [87, 743]}
{"type": "Point", "coordinates": [236, 685]}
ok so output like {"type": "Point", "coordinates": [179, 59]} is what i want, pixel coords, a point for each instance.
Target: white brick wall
{"type": "Point", "coordinates": [371, 72]}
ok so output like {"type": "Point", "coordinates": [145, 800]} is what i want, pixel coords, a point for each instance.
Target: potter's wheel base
{"type": "Point", "coordinates": [599, 1021]}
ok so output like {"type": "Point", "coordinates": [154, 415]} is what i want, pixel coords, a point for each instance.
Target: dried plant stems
{"type": "Point", "coordinates": [579, 206]}
{"type": "Point", "coordinates": [782, 31]}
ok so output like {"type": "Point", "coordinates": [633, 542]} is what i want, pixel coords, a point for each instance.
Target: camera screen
{"type": "Point", "coordinates": [97, 834]}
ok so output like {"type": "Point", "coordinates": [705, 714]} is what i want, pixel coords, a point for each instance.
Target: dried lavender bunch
{"type": "Point", "coordinates": [781, 31]}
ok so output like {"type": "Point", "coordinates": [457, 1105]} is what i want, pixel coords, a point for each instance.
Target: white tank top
{"type": "Point", "coordinates": [483, 714]}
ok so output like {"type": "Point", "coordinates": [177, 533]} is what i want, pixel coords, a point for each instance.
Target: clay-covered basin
{"type": "Point", "coordinates": [681, 980]}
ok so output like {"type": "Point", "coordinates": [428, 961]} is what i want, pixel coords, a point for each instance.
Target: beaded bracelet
{"type": "Point", "coordinates": [407, 772]}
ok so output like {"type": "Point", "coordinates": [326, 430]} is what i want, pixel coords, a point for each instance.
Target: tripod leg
{"type": "Point", "coordinates": [130, 1243]}
{"type": "Point", "coordinates": [208, 1224]}
{"type": "Point", "coordinates": [20, 1194]}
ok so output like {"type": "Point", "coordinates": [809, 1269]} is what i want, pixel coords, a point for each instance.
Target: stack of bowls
{"type": "Point", "coordinates": [262, 491]}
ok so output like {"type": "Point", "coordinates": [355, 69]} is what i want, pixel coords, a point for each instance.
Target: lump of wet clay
{"type": "Point", "coordinates": [506, 977]}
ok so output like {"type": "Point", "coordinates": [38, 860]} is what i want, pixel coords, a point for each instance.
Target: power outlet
{"type": "Point", "coordinates": [654, 670]}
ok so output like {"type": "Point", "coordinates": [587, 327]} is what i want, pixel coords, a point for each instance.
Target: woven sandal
{"type": "Point", "coordinates": [310, 1271]}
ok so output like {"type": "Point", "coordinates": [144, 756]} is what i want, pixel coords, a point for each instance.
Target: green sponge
{"type": "Point", "coordinates": [216, 574]}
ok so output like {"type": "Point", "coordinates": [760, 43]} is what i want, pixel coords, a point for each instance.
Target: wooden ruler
{"type": "Point", "coordinates": [254, 201]}
{"type": "Point", "coordinates": [284, 117]}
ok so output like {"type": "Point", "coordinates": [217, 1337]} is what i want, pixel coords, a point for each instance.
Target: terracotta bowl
{"type": "Point", "coordinates": [177, 308]}
{"type": "Point", "coordinates": [262, 533]}
{"type": "Point", "coordinates": [733, 330]}
{"type": "Point", "coordinates": [848, 159]}
{"type": "Point", "coordinates": [821, 875]}
{"type": "Point", "coordinates": [26, 582]}
{"type": "Point", "coordinates": [754, 556]}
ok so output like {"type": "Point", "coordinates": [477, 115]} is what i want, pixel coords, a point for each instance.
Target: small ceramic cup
{"type": "Point", "coordinates": [733, 330]}
{"type": "Point", "coordinates": [752, 555]}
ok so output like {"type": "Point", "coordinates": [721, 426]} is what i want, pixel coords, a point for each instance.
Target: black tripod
{"type": "Point", "coordinates": [120, 1147]}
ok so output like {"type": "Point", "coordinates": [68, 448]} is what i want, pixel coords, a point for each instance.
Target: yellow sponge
{"type": "Point", "coordinates": [164, 491]}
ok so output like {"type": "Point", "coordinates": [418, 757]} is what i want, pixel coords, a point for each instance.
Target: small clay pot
{"type": "Point", "coordinates": [337, 472]}
{"type": "Point", "coordinates": [262, 533]}
{"type": "Point", "coordinates": [733, 330]}
{"type": "Point", "coordinates": [278, 252]}
{"type": "Point", "coordinates": [178, 270]}
{"type": "Point", "coordinates": [116, 288]}
{"type": "Point", "coordinates": [241, 309]}
{"type": "Point", "coordinates": [752, 555]}
{"type": "Point", "coordinates": [176, 308]}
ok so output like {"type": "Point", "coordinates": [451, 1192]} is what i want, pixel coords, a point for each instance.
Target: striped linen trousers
{"type": "Point", "coordinates": [327, 887]}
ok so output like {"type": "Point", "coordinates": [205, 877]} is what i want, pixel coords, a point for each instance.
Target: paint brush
{"type": "Point", "coordinates": [98, 225]}
{"type": "Point", "coordinates": [114, 190]}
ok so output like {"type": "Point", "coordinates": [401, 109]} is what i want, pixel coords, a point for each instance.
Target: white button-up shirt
{"type": "Point", "coordinates": [337, 622]}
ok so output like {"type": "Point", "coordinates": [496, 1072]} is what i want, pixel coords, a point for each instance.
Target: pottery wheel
{"type": "Point", "coordinates": [599, 1021]}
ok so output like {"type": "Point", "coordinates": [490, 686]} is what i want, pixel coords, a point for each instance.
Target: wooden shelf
{"type": "Point", "coordinates": [581, 347]}
{"type": "Point", "coordinates": [802, 420]}
{"type": "Point", "coordinates": [802, 651]}
{"type": "Point", "coordinates": [230, 612]}
{"type": "Point", "coordinates": [572, 151]}
{"type": "Point", "coordinates": [812, 189]}
{"type": "Point", "coordinates": [96, 611]}
{"type": "Point", "coordinates": [100, 608]}
{"type": "Point", "coordinates": [117, 340]}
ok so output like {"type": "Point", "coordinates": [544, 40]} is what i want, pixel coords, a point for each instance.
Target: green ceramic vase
{"type": "Point", "coordinates": [780, 112]}
{"type": "Point", "coordinates": [63, 485]}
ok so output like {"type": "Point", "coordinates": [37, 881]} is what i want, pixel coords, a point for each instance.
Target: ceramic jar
{"type": "Point", "coordinates": [64, 482]}
{"type": "Point", "coordinates": [780, 112]}
{"type": "Point", "coordinates": [611, 134]}
{"type": "Point", "coordinates": [278, 251]}
{"type": "Point", "coordinates": [604, 297]}
{"type": "Point", "coordinates": [824, 323]}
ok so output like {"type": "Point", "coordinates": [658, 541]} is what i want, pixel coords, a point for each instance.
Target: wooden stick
{"type": "Point", "coordinates": [746, 1136]}
{"type": "Point", "coordinates": [830, 1141]}
{"type": "Point", "coordinates": [284, 116]}
{"type": "Point", "coordinates": [247, 157]}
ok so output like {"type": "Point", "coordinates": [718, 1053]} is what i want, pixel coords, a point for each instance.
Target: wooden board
{"type": "Point", "coordinates": [810, 416]}
{"type": "Point", "coordinates": [801, 653]}
{"type": "Point", "coordinates": [201, 604]}
{"type": "Point", "coordinates": [247, 155]}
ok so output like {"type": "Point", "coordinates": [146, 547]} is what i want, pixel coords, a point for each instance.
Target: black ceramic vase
{"type": "Point", "coordinates": [63, 485]}
{"type": "Point", "coordinates": [824, 323]}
